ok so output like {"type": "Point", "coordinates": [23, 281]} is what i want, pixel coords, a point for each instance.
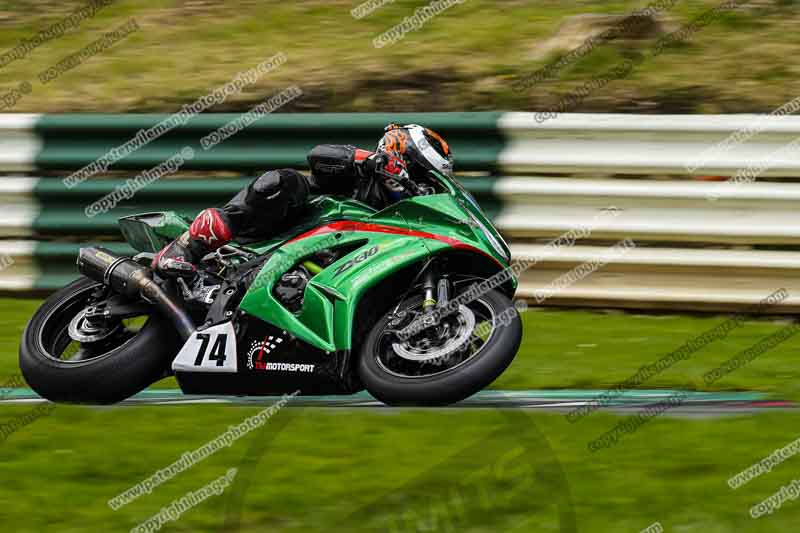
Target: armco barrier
{"type": "Point", "coordinates": [652, 211]}
{"type": "Point", "coordinates": [646, 144]}
{"type": "Point", "coordinates": [692, 252]}
{"type": "Point", "coordinates": [68, 142]}
{"type": "Point", "coordinates": [523, 208]}
{"type": "Point", "coordinates": [665, 278]}
{"type": "Point", "coordinates": [508, 142]}
{"type": "Point", "coordinates": [44, 208]}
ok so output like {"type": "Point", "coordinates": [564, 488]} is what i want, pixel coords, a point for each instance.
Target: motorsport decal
{"type": "Point", "coordinates": [360, 258]}
{"type": "Point", "coordinates": [289, 367]}
{"type": "Point", "coordinates": [259, 350]}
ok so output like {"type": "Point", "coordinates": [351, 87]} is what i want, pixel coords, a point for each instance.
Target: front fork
{"type": "Point", "coordinates": [436, 289]}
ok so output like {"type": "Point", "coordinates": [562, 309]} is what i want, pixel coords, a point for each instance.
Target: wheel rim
{"type": "Point", "coordinates": [415, 358]}
{"type": "Point", "coordinates": [57, 344]}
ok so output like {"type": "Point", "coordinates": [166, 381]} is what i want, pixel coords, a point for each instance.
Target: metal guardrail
{"type": "Point", "coordinates": [700, 245]}
{"type": "Point", "coordinates": [665, 278]}
{"type": "Point", "coordinates": [42, 208]}
{"type": "Point", "coordinates": [646, 144]}
{"type": "Point", "coordinates": [70, 141]}
{"type": "Point", "coordinates": [652, 211]}
{"type": "Point", "coordinates": [509, 142]}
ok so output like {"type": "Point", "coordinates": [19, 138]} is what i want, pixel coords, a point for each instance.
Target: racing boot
{"type": "Point", "coordinates": [209, 231]}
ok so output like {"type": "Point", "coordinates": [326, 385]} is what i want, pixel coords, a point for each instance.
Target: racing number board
{"type": "Point", "coordinates": [210, 350]}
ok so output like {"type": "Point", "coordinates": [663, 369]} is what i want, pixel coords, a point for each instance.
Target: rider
{"type": "Point", "coordinates": [269, 202]}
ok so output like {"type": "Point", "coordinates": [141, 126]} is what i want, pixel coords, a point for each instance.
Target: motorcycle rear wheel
{"type": "Point", "coordinates": [119, 364]}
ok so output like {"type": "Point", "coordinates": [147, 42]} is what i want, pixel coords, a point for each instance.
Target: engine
{"type": "Point", "coordinates": [290, 288]}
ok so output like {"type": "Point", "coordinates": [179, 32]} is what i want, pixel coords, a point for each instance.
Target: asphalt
{"type": "Point", "coordinates": [563, 401]}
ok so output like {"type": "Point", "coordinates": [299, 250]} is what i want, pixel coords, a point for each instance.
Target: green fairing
{"type": "Point", "coordinates": [331, 297]}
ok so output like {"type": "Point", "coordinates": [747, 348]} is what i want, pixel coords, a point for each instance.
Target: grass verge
{"type": "Point", "coordinates": [464, 59]}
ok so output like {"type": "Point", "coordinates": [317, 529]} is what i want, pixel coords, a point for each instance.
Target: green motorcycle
{"type": "Point", "coordinates": [412, 302]}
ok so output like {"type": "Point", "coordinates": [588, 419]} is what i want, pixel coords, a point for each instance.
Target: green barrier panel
{"type": "Point", "coordinates": [63, 210]}
{"type": "Point", "coordinates": [71, 141]}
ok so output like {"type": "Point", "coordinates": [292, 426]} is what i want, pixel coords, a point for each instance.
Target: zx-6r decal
{"type": "Point", "coordinates": [360, 258]}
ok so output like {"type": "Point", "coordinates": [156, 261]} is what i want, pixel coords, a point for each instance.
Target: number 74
{"type": "Point", "coordinates": [217, 352]}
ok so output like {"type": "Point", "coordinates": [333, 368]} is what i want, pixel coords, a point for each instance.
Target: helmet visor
{"type": "Point", "coordinates": [433, 158]}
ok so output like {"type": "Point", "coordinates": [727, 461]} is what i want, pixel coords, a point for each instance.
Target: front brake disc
{"type": "Point", "coordinates": [463, 333]}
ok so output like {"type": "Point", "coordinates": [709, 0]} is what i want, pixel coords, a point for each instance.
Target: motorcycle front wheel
{"type": "Point", "coordinates": [444, 363]}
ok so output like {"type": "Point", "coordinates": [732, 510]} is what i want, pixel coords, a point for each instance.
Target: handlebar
{"type": "Point", "coordinates": [403, 178]}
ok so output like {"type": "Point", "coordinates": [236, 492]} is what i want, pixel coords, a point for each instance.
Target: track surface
{"type": "Point", "coordinates": [696, 403]}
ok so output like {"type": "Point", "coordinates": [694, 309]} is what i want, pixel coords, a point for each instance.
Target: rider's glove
{"type": "Point", "coordinates": [385, 165]}
{"type": "Point", "coordinates": [395, 166]}
{"type": "Point", "coordinates": [366, 163]}
{"type": "Point", "coordinates": [393, 172]}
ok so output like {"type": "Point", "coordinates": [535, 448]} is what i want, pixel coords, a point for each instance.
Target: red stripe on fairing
{"type": "Point", "coordinates": [350, 225]}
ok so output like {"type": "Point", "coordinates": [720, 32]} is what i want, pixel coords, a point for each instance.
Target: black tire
{"type": "Point", "coordinates": [109, 378]}
{"type": "Point", "coordinates": [448, 386]}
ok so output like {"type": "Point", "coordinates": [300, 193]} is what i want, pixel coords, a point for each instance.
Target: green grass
{"type": "Point", "coordinates": [481, 470]}
{"type": "Point", "coordinates": [465, 59]}
{"type": "Point", "coordinates": [586, 349]}
{"type": "Point", "coordinates": [595, 349]}
{"type": "Point", "coordinates": [356, 471]}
